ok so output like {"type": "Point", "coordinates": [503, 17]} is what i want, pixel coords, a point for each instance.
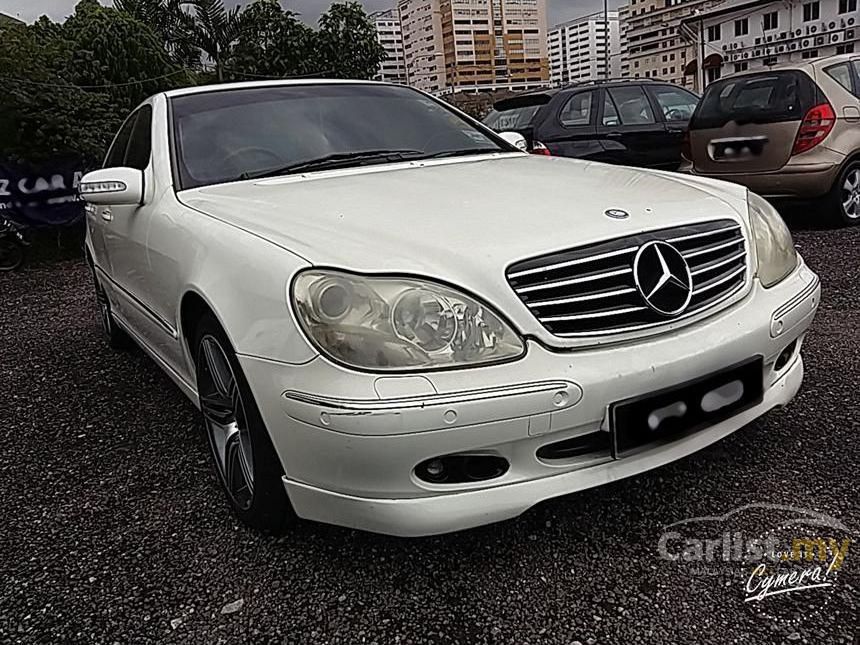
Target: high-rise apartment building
{"type": "Point", "coordinates": [388, 34]}
{"type": "Point", "coordinates": [474, 45]}
{"type": "Point", "coordinates": [652, 45]}
{"type": "Point", "coordinates": [585, 48]}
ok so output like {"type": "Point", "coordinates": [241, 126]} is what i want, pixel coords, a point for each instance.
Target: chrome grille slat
{"type": "Point", "coordinates": [710, 267]}
{"type": "Point", "coordinates": [596, 314]}
{"type": "Point", "coordinates": [705, 234]}
{"type": "Point", "coordinates": [565, 283]}
{"type": "Point", "coordinates": [569, 263]}
{"type": "Point", "coordinates": [710, 249]}
{"type": "Point", "coordinates": [591, 296]}
{"type": "Point", "coordinates": [590, 290]}
{"type": "Point", "coordinates": [711, 285]}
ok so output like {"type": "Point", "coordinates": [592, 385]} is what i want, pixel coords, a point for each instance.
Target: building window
{"type": "Point", "coordinates": [847, 6]}
{"type": "Point", "coordinates": [741, 67]}
{"type": "Point", "coordinates": [770, 60]}
{"type": "Point", "coordinates": [714, 33]}
{"type": "Point", "coordinates": [811, 11]}
{"type": "Point", "coordinates": [845, 49]}
{"type": "Point", "coordinates": [771, 20]}
{"type": "Point", "coordinates": [742, 27]}
{"type": "Point", "coordinates": [809, 53]}
{"type": "Point", "coordinates": [713, 74]}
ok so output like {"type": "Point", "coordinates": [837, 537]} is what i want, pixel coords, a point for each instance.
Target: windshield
{"type": "Point", "coordinates": [234, 134]}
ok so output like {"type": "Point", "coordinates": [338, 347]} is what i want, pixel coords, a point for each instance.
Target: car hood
{"type": "Point", "coordinates": [464, 220]}
{"type": "Point", "coordinates": [483, 213]}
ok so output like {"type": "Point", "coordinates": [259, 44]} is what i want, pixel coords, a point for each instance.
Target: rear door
{"type": "Point", "coordinates": [628, 129]}
{"type": "Point", "coordinates": [675, 106]}
{"type": "Point", "coordinates": [570, 127]}
{"type": "Point", "coordinates": [748, 123]}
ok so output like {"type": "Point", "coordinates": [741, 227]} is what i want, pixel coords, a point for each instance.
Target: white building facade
{"type": "Point", "coordinates": [741, 35]}
{"type": "Point", "coordinates": [586, 48]}
{"type": "Point", "coordinates": [392, 69]}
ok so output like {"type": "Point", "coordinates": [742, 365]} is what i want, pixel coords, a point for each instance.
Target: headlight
{"type": "Point", "coordinates": [773, 244]}
{"type": "Point", "coordinates": [398, 323]}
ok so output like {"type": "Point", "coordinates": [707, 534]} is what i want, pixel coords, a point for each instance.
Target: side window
{"type": "Point", "coordinates": [610, 114]}
{"type": "Point", "coordinates": [577, 110]}
{"type": "Point", "coordinates": [675, 103]}
{"type": "Point", "coordinates": [140, 144]}
{"type": "Point", "coordinates": [116, 154]}
{"type": "Point", "coordinates": [632, 105]}
{"type": "Point", "coordinates": [842, 74]}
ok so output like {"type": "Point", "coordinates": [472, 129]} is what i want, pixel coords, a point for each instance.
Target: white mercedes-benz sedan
{"type": "Point", "coordinates": [393, 319]}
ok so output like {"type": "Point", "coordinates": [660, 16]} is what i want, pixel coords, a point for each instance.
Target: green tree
{"type": "Point", "coordinates": [214, 30]}
{"type": "Point", "coordinates": [68, 86]}
{"type": "Point", "coordinates": [346, 42]}
{"type": "Point", "coordinates": [114, 53]}
{"type": "Point", "coordinates": [170, 23]}
{"type": "Point", "coordinates": [272, 42]}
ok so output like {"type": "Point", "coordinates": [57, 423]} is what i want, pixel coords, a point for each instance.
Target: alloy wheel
{"type": "Point", "coordinates": [226, 421]}
{"type": "Point", "coordinates": [851, 194]}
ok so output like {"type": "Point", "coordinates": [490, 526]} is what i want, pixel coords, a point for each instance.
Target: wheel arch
{"type": "Point", "coordinates": [852, 158]}
{"type": "Point", "coordinates": [192, 307]}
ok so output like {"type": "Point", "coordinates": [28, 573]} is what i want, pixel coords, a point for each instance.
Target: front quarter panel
{"type": "Point", "coordinates": [243, 279]}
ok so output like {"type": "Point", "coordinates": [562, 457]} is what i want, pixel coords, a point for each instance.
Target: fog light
{"type": "Point", "coordinates": [435, 468]}
{"type": "Point", "coordinates": [458, 469]}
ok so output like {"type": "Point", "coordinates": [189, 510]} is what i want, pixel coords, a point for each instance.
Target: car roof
{"type": "Point", "coordinates": [522, 99]}
{"type": "Point", "coordinates": [218, 87]}
{"type": "Point", "coordinates": [787, 66]}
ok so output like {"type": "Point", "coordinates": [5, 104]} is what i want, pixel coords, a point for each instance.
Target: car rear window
{"type": "Point", "coordinates": [769, 97]}
{"type": "Point", "coordinates": [512, 119]}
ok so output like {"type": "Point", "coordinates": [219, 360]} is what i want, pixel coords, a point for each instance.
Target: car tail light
{"type": "Point", "coordinates": [814, 128]}
{"type": "Point", "coordinates": [686, 146]}
{"type": "Point", "coordinates": [540, 149]}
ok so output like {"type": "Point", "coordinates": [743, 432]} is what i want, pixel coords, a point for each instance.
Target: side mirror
{"type": "Point", "coordinates": [113, 186]}
{"type": "Point", "coordinates": [516, 139]}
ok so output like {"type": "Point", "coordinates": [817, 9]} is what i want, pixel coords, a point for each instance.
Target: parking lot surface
{"type": "Point", "coordinates": [114, 530]}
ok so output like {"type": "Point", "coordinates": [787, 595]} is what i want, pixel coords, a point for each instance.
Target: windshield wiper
{"type": "Point", "coordinates": [335, 160]}
{"type": "Point", "coordinates": [460, 153]}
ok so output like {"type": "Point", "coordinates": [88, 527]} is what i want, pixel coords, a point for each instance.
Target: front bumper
{"type": "Point", "coordinates": [349, 442]}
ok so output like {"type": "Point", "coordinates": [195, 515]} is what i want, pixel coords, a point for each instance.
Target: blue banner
{"type": "Point", "coordinates": [41, 196]}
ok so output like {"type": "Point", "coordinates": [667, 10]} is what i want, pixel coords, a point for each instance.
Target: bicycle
{"type": "Point", "coordinates": [12, 245]}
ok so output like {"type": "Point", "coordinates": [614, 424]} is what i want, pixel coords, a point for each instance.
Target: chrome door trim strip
{"type": "Point", "coordinates": [142, 305]}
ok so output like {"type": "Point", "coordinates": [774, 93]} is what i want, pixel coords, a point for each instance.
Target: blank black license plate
{"type": "Point", "coordinates": [669, 413]}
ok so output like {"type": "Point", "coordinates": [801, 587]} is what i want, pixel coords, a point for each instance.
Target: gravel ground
{"type": "Point", "coordinates": [114, 530]}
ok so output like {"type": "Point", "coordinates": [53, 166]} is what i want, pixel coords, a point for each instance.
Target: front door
{"type": "Point", "coordinates": [142, 277]}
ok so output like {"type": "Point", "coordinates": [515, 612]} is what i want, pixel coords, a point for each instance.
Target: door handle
{"type": "Point", "coordinates": [106, 214]}
{"type": "Point", "coordinates": [613, 135]}
{"type": "Point", "coordinates": [675, 130]}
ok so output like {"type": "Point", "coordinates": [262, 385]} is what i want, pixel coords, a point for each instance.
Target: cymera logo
{"type": "Point", "coordinates": [768, 553]}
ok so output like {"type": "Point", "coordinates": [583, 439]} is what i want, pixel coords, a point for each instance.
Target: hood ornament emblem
{"type": "Point", "coordinates": [616, 213]}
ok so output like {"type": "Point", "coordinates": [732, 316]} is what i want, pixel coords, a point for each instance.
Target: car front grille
{"type": "Point", "coordinates": [591, 290]}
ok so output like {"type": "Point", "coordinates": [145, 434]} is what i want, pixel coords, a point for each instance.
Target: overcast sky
{"type": "Point", "coordinates": [29, 10]}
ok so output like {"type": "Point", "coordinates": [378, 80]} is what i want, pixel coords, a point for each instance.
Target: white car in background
{"type": "Point", "coordinates": [394, 320]}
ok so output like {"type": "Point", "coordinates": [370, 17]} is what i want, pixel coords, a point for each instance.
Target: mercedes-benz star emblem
{"type": "Point", "coordinates": [663, 278]}
{"type": "Point", "coordinates": [616, 213]}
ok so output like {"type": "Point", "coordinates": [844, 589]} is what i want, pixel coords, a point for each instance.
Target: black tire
{"type": "Point", "coordinates": [11, 254]}
{"type": "Point", "coordinates": [243, 456]}
{"type": "Point", "coordinates": [844, 197]}
{"type": "Point", "coordinates": [116, 336]}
